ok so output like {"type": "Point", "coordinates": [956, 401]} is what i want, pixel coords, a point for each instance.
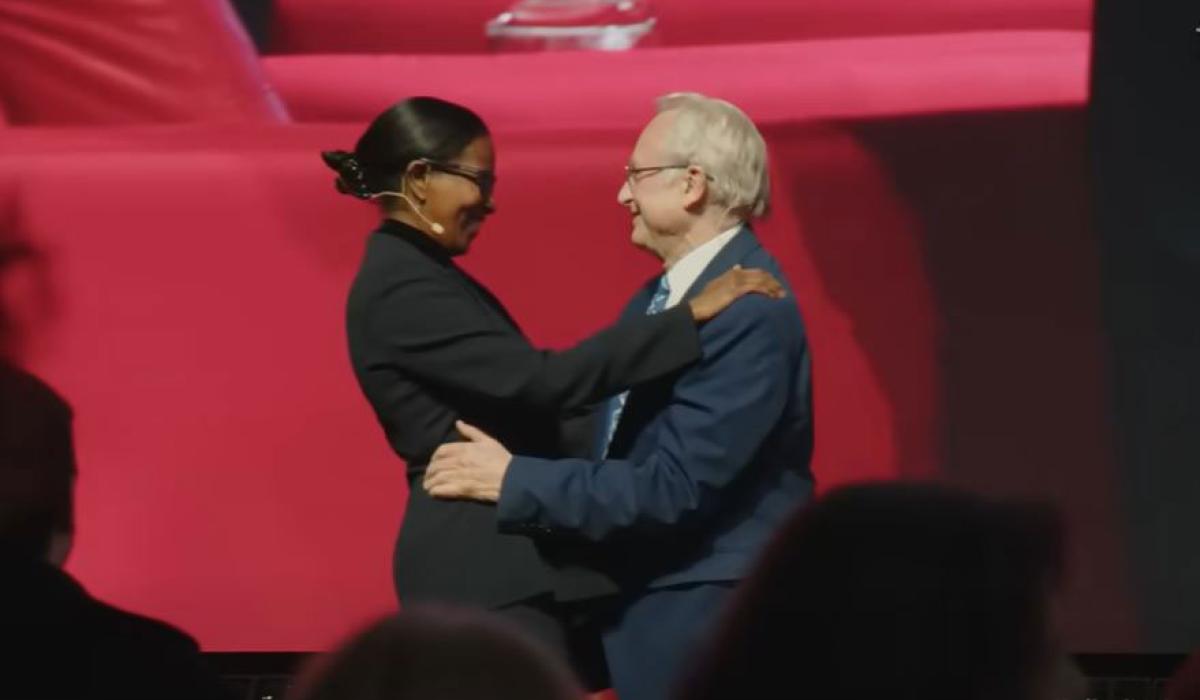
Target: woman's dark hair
{"type": "Point", "coordinates": [419, 127]}
{"type": "Point", "coordinates": [893, 590]}
{"type": "Point", "coordinates": [433, 653]}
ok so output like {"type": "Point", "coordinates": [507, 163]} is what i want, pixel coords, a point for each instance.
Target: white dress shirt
{"type": "Point", "coordinates": [683, 274]}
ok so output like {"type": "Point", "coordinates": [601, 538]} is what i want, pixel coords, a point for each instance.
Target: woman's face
{"type": "Point", "coordinates": [459, 194]}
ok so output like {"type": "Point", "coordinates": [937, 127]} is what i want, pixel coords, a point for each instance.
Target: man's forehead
{"type": "Point", "coordinates": [651, 141]}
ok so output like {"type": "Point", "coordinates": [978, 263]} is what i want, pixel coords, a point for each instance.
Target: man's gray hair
{"type": "Point", "coordinates": [721, 139]}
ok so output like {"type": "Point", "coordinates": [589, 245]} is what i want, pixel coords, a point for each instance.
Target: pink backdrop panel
{"type": "Point", "coordinates": [779, 82]}
{"type": "Point", "coordinates": [129, 62]}
{"type": "Point", "coordinates": [457, 26]}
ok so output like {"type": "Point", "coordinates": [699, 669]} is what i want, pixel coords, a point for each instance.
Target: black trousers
{"type": "Point", "coordinates": [571, 631]}
{"type": "Point", "coordinates": [642, 645]}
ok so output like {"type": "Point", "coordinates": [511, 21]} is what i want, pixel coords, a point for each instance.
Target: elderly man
{"type": "Point", "coordinates": [692, 473]}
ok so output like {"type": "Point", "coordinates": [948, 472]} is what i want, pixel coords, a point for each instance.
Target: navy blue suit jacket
{"type": "Point", "coordinates": [705, 463]}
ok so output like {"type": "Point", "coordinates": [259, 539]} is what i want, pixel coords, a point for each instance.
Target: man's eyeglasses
{"type": "Point", "coordinates": [632, 173]}
{"type": "Point", "coordinates": [485, 180]}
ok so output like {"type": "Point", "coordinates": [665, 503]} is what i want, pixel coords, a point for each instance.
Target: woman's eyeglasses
{"type": "Point", "coordinates": [485, 180]}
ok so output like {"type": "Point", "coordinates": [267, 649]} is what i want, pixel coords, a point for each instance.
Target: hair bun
{"type": "Point", "coordinates": [350, 179]}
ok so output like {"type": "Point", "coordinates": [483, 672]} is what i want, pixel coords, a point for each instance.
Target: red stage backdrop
{"type": "Point", "coordinates": [234, 482]}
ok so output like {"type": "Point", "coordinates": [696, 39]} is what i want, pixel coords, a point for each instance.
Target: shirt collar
{"type": "Point", "coordinates": [684, 273]}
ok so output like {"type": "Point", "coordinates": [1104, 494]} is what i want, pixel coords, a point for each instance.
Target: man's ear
{"type": "Point", "coordinates": [695, 187]}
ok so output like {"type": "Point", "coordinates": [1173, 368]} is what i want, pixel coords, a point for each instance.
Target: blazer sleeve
{"type": "Point", "coordinates": [440, 335]}
{"type": "Point", "coordinates": [718, 417]}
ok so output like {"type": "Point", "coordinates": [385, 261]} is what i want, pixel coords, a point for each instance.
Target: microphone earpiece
{"type": "Point", "coordinates": [434, 226]}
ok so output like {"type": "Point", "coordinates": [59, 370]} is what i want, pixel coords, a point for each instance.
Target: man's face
{"type": "Point", "coordinates": [654, 194]}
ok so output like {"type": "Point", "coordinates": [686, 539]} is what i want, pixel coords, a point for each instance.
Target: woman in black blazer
{"type": "Point", "coordinates": [430, 345]}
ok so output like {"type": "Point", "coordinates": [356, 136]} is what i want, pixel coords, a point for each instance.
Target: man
{"type": "Point", "coordinates": [693, 472]}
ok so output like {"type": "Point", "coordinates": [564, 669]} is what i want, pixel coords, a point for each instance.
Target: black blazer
{"type": "Point", "coordinates": [431, 345]}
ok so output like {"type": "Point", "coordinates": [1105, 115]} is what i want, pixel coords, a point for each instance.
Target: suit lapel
{"type": "Point", "coordinates": [641, 300]}
{"type": "Point", "coordinates": [636, 307]}
{"type": "Point", "coordinates": [736, 250]}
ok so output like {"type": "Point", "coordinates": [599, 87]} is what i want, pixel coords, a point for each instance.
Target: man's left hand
{"type": "Point", "coordinates": [470, 470]}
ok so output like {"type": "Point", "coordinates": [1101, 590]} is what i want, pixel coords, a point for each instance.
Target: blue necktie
{"type": "Point", "coordinates": [658, 304]}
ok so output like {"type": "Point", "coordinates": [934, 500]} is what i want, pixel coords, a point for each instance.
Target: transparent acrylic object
{"type": "Point", "coordinates": [596, 25]}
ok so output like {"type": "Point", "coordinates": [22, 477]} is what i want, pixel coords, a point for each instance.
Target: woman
{"type": "Point", "coordinates": [430, 345]}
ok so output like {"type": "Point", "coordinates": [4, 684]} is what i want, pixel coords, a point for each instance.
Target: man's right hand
{"type": "Point", "coordinates": [729, 287]}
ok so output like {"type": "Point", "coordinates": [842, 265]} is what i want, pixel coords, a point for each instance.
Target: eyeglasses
{"type": "Point", "coordinates": [631, 172]}
{"type": "Point", "coordinates": [485, 180]}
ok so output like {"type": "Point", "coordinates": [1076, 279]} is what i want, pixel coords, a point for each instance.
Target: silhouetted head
{"type": "Point", "coordinates": [37, 469]}
{"type": "Point", "coordinates": [430, 163]}
{"type": "Point", "coordinates": [1185, 682]}
{"type": "Point", "coordinates": [898, 591]}
{"type": "Point", "coordinates": [434, 654]}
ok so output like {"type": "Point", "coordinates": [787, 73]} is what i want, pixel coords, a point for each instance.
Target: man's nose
{"type": "Point", "coordinates": [625, 195]}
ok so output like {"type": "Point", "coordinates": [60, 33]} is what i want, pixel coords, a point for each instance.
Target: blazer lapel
{"type": "Point", "coordinates": [641, 300]}
{"type": "Point", "coordinates": [485, 296]}
{"type": "Point", "coordinates": [636, 307]}
{"type": "Point", "coordinates": [739, 247]}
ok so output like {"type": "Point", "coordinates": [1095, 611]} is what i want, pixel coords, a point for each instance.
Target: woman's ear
{"type": "Point", "coordinates": [415, 181]}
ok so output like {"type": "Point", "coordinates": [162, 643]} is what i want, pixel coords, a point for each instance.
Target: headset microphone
{"type": "Point", "coordinates": [434, 226]}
